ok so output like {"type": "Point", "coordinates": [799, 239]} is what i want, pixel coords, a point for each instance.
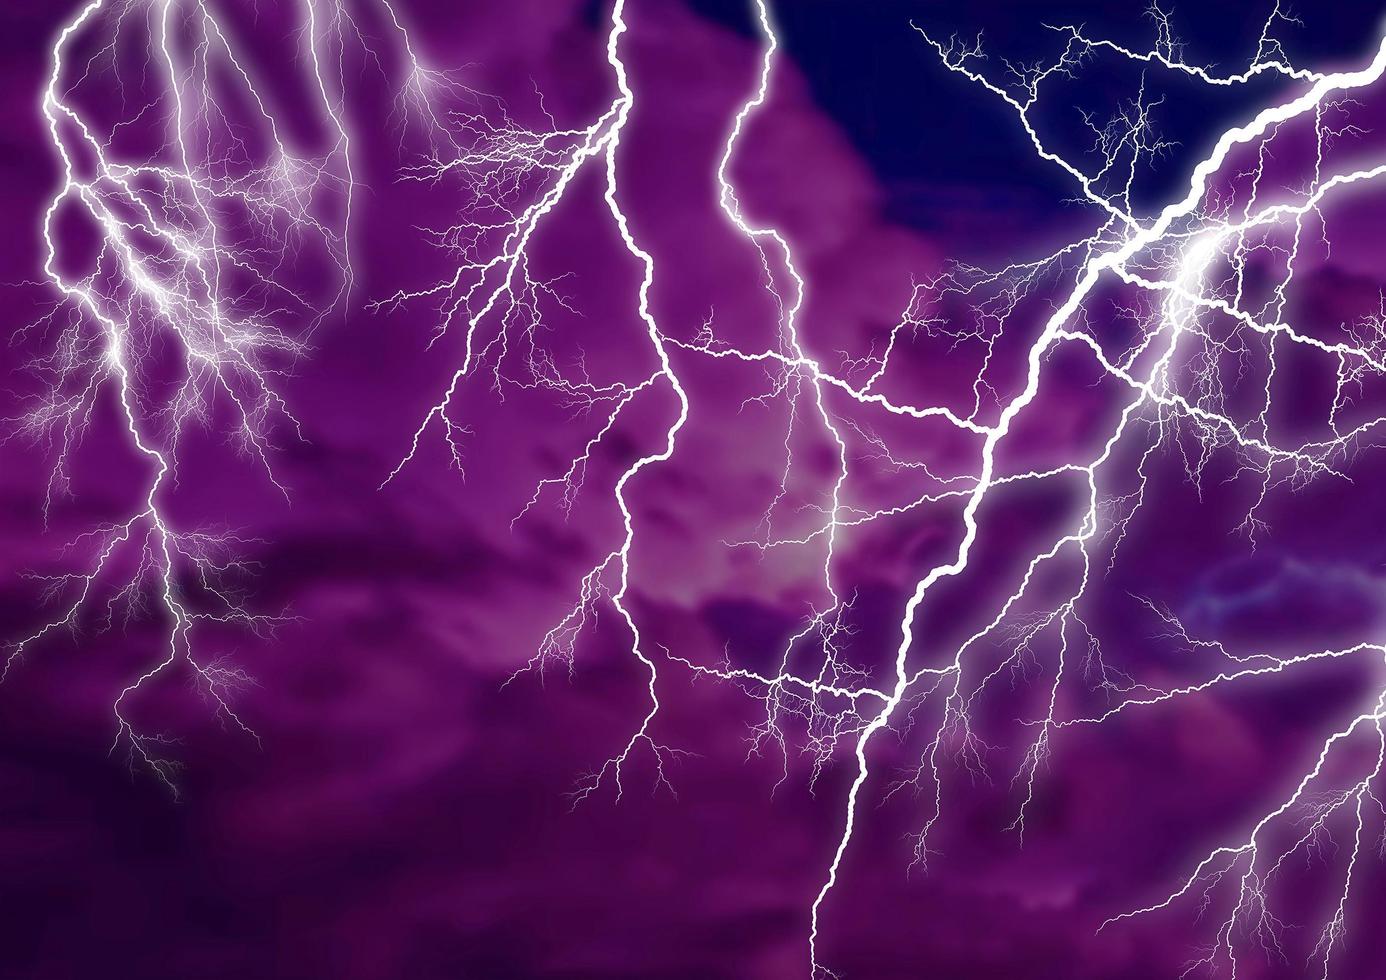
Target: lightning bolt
{"type": "Point", "coordinates": [1187, 298]}
{"type": "Point", "coordinates": [194, 239]}
{"type": "Point", "coordinates": [1205, 284]}
{"type": "Point", "coordinates": [1195, 311]}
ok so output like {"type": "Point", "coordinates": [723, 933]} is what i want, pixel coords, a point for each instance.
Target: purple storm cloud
{"type": "Point", "coordinates": [685, 488]}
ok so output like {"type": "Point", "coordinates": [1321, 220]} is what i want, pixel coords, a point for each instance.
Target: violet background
{"type": "Point", "coordinates": [406, 816]}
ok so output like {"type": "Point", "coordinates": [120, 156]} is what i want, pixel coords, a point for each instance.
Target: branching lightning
{"type": "Point", "coordinates": [192, 236]}
{"type": "Point", "coordinates": [1199, 322]}
{"type": "Point", "coordinates": [197, 206]}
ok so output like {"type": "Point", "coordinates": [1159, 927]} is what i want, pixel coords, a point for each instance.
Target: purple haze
{"type": "Point", "coordinates": [403, 811]}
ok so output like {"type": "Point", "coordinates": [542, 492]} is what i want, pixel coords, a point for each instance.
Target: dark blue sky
{"type": "Point", "coordinates": [940, 146]}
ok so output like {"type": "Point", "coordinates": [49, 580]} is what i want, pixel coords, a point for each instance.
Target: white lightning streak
{"type": "Point", "coordinates": [173, 269]}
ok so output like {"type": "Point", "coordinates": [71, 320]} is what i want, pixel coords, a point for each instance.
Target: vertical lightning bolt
{"type": "Point", "coordinates": [193, 247]}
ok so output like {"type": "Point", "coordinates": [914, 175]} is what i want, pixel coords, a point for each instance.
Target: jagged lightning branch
{"type": "Point", "coordinates": [515, 177]}
{"type": "Point", "coordinates": [1186, 297]}
{"type": "Point", "coordinates": [1188, 237]}
{"type": "Point", "coordinates": [197, 230]}
{"type": "Point", "coordinates": [170, 266]}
